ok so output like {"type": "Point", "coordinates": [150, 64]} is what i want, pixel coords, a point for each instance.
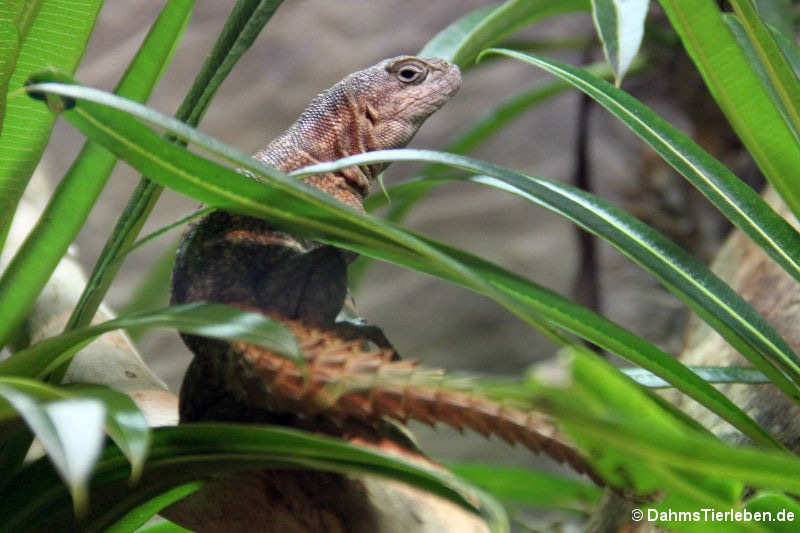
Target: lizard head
{"type": "Point", "coordinates": [377, 108]}
{"type": "Point", "coordinates": [396, 96]}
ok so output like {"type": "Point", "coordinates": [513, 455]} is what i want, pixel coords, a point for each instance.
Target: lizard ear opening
{"type": "Point", "coordinates": [370, 114]}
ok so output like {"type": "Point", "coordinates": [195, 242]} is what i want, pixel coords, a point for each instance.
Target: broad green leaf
{"type": "Point", "coordinates": [198, 451]}
{"type": "Point", "coordinates": [530, 487]}
{"type": "Point", "coordinates": [711, 374]}
{"type": "Point", "coordinates": [778, 14]}
{"type": "Point", "coordinates": [620, 25]}
{"type": "Point", "coordinates": [782, 77]}
{"type": "Point", "coordinates": [750, 51]}
{"type": "Point", "coordinates": [73, 453]}
{"type": "Point", "coordinates": [242, 26]}
{"type": "Point", "coordinates": [125, 423]}
{"type": "Point", "coordinates": [138, 516]}
{"type": "Point", "coordinates": [77, 192]}
{"type": "Point", "coordinates": [298, 208]}
{"type": "Point", "coordinates": [790, 49]}
{"type": "Point", "coordinates": [779, 510]}
{"type": "Point", "coordinates": [9, 48]}
{"type": "Point", "coordinates": [735, 199]}
{"type": "Point", "coordinates": [461, 42]}
{"type": "Point", "coordinates": [739, 93]}
{"type": "Point", "coordinates": [209, 320]}
{"type": "Point", "coordinates": [56, 37]}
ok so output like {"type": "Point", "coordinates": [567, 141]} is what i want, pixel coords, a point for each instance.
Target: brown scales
{"type": "Point", "coordinates": [349, 379]}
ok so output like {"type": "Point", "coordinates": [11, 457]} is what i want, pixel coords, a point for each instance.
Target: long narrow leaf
{"type": "Point", "coordinates": [682, 274]}
{"type": "Point", "coordinates": [739, 92]}
{"type": "Point", "coordinates": [56, 37]}
{"type": "Point", "coordinates": [736, 200]}
{"type": "Point", "coordinates": [711, 374]}
{"type": "Point", "coordinates": [778, 69]}
{"type": "Point", "coordinates": [474, 135]}
{"type": "Point", "coordinates": [208, 320]}
{"type": "Point", "coordinates": [138, 516]}
{"type": "Point", "coordinates": [461, 41]}
{"type": "Point", "coordinates": [296, 207]}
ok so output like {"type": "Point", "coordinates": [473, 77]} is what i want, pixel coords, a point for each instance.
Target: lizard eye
{"type": "Point", "coordinates": [410, 73]}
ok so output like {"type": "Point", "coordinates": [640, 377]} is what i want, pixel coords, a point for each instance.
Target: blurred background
{"type": "Point", "coordinates": [311, 44]}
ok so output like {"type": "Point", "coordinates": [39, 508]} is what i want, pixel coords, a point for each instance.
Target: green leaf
{"type": "Point", "coordinates": [76, 194]}
{"type": "Point", "coordinates": [594, 389]}
{"type": "Point", "coordinates": [56, 37]}
{"type": "Point", "coordinates": [739, 93]}
{"type": "Point", "coordinates": [208, 320]}
{"type": "Point", "coordinates": [139, 515]}
{"type": "Point", "coordinates": [9, 48]}
{"type": "Point", "coordinates": [15, 21]}
{"type": "Point", "coordinates": [735, 199]}
{"type": "Point", "coordinates": [711, 374]}
{"type": "Point", "coordinates": [73, 453]}
{"type": "Point", "coordinates": [461, 42]}
{"type": "Point", "coordinates": [778, 14]}
{"type": "Point", "coordinates": [620, 25]}
{"type": "Point", "coordinates": [302, 209]}
{"type": "Point", "coordinates": [784, 511]}
{"type": "Point", "coordinates": [198, 451]}
{"type": "Point", "coordinates": [682, 274]}
{"type": "Point", "coordinates": [125, 423]}
{"type": "Point", "coordinates": [782, 77]}
{"type": "Point", "coordinates": [531, 487]}
{"type": "Point", "coordinates": [169, 227]}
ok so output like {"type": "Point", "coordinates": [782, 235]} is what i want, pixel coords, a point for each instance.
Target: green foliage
{"type": "Point", "coordinates": [633, 438]}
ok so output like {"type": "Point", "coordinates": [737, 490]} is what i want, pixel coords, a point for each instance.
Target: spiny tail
{"type": "Point", "coordinates": [346, 379]}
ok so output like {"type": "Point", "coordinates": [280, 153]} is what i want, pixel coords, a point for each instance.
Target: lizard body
{"type": "Point", "coordinates": [242, 261]}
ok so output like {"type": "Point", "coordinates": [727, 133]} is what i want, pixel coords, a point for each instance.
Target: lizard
{"type": "Point", "coordinates": [243, 261]}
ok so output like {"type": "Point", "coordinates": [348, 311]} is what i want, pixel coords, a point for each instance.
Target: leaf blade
{"type": "Point", "coordinates": [208, 320]}
{"type": "Point", "coordinates": [620, 25]}
{"type": "Point", "coordinates": [739, 93]}
{"type": "Point", "coordinates": [460, 42]}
